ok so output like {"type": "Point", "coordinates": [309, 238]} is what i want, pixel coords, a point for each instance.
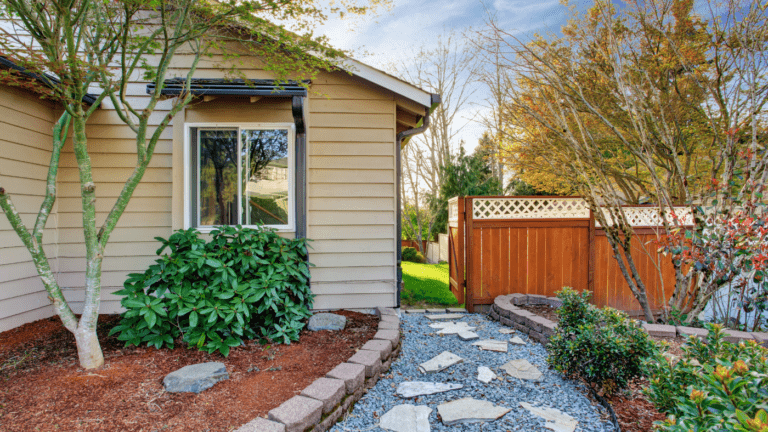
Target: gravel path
{"type": "Point", "coordinates": [421, 343]}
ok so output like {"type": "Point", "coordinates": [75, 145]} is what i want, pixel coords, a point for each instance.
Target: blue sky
{"type": "Point", "coordinates": [394, 35]}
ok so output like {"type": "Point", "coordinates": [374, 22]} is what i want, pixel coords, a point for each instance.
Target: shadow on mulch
{"type": "Point", "coordinates": [42, 388]}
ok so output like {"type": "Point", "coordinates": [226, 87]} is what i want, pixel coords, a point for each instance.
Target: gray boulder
{"type": "Point", "coordinates": [327, 321]}
{"type": "Point", "coordinates": [195, 378]}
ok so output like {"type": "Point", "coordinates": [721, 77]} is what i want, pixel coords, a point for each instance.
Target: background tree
{"type": "Point", "coordinates": [104, 45]}
{"type": "Point", "coordinates": [644, 103]}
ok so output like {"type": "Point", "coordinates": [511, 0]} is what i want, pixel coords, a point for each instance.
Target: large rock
{"type": "Point", "coordinates": [492, 345]}
{"type": "Point", "coordinates": [406, 418]}
{"type": "Point", "coordinates": [442, 361]}
{"type": "Point", "coordinates": [326, 321]}
{"type": "Point", "coordinates": [411, 389]}
{"type": "Point", "coordinates": [195, 378]}
{"type": "Point", "coordinates": [469, 410]}
{"type": "Point", "coordinates": [555, 419]}
{"type": "Point", "coordinates": [522, 369]}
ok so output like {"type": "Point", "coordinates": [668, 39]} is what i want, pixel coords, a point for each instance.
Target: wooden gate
{"type": "Point", "coordinates": [537, 245]}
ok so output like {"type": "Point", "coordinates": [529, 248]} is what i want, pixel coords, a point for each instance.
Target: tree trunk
{"type": "Point", "coordinates": [88, 347]}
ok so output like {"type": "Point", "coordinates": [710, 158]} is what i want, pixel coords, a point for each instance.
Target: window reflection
{"type": "Point", "coordinates": [265, 177]}
{"type": "Point", "coordinates": [218, 177]}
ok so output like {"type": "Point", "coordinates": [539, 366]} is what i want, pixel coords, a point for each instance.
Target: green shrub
{"type": "Point", "coordinates": [242, 284]}
{"type": "Point", "coordinates": [715, 385]}
{"type": "Point", "coordinates": [410, 254]}
{"type": "Point", "coordinates": [602, 347]}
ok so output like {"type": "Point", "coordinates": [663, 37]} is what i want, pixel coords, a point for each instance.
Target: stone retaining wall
{"type": "Point", "coordinates": [324, 401]}
{"type": "Point", "coordinates": [505, 310]}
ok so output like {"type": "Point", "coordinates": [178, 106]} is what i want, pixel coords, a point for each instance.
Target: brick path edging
{"type": "Point", "coordinates": [540, 329]}
{"type": "Point", "coordinates": [323, 402]}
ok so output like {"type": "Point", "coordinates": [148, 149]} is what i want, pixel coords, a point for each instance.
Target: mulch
{"type": "Point", "coordinates": [634, 412]}
{"type": "Point", "coordinates": [42, 387]}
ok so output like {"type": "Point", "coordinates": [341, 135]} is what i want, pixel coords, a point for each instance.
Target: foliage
{"type": "Point", "coordinates": [426, 283]}
{"type": "Point", "coordinates": [242, 284]}
{"type": "Point", "coordinates": [715, 385]}
{"type": "Point", "coordinates": [411, 254]}
{"type": "Point", "coordinates": [603, 347]}
{"type": "Point", "coordinates": [517, 187]}
{"type": "Point", "coordinates": [464, 175]}
{"type": "Point", "coordinates": [410, 226]}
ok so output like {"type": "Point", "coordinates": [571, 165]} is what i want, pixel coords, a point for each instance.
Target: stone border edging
{"type": "Point", "coordinates": [323, 402]}
{"type": "Point", "coordinates": [505, 310]}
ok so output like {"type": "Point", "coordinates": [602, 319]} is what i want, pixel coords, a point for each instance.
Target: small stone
{"type": "Point", "coordinates": [468, 410]}
{"type": "Point", "coordinates": [522, 369]}
{"type": "Point", "coordinates": [445, 316]}
{"type": "Point", "coordinates": [468, 335]}
{"type": "Point", "coordinates": [491, 345]}
{"type": "Point", "coordinates": [506, 331]}
{"type": "Point", "coordinates": [517, 341]}
{"type": "Point", "coordinates": [406, 418]}
{"type": "Point", "coordinates": [442, 361]}
{"type": "Point", "coordinates": [411, 389]}
{"type": "Point", "coordinates": [326, 321]}
{"type": "Point", "coordinates": [555, 419]}
{"type": "Point", "coordinates": [195, 378]}
{"type": "Point", "coordinates": [485, 374]}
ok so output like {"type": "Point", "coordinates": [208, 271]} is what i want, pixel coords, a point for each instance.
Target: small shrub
{"type": "Point", "coordinates": [602, 347]}
{"type": "Point", "coordinates": [410, 254]}
{"type": "Point", "coordinates": [242, 284]}
{"type": "Point", "coordinates": [715, 385]}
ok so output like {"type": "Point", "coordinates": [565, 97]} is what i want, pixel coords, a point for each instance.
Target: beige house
{"type": "Point", "coordinates": [322, 164]}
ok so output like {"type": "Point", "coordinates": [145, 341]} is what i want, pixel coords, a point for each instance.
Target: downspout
{"type": "Point", "coordinates": [297, 109]}
{"type": "Point", "coordinates": [398, 150]}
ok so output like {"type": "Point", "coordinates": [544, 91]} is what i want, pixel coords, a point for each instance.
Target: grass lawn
{"type": "Point", "coordinates": [426, 284]}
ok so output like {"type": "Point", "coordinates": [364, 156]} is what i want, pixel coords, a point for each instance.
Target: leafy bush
{"type": "Point", "coordinates": [410, 254]}
{"type": "Point", "coordinates": [603, 347]}
{"type": "Point", "coordinates": [242, 284]}
{"type": "Point", "coordinates": [716, 385]}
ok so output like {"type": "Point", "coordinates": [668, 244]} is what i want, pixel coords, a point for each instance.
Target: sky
{"type": "Point", "coordinates": [394, 35]}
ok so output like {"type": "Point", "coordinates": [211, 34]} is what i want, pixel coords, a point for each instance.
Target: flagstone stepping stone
{"type": "Point", "coordinates": [468, 410]}
{"type": "Point", "coordinates": [195, 378]}
{"type": "Point", "coordinates": [441, 362]}
{"type": "Point", "coordinates": [556, 420]}
{"type": "Point", "coordinates": [420, 388]}
{"type": "Point", "coordinates": [468, 335]}
{"type": "Point", "coordinates": [485, 374]}
{"type": "Point", "coordinates": [492, 345]}
{"type": "Point", "coordinates": [406, 418]}
{"type": "Point", "coordinates": [445, 316]}
{"type": "Point", "coordinates": [517, 341]}
{"type": "Point", "coordinates": [522, 369]}
{"type": "Point", "coordinates": [326, 321]}
{"type": "Point", "coordinates": [452, 327]}
{"type": "Point", "coordinates": [506, 331]}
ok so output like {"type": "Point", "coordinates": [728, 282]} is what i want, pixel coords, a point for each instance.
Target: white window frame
{"type": "Point", "coordinates": [188, 217]}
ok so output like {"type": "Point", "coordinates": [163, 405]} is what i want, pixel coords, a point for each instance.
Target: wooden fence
{"type": "Point", "coordinates": [537, 245]}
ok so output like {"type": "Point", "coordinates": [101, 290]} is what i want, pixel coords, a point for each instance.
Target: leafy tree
{"type": "Point", "coordinates": [465, 175]}
{"type": "Point", "coordinates": [105, 45]}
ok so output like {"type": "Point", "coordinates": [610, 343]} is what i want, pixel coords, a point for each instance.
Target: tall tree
{"type": "Point", "coordinates": [646, 102]}
{"type": "Point", "coordinates": [102, 46]}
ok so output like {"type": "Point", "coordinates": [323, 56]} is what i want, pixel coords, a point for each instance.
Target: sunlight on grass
{"type": "Point", "coordinates": [426, 283]}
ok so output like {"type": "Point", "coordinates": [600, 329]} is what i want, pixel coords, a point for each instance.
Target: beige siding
{"type": "Point", "coordinates": [26, 125]}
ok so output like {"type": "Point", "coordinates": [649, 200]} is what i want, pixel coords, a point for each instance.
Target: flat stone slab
{"type": "Point", "coordinates": [436, 311]}
{"type": "Point", "coordinates": [761, 338]}
{"type": "Point", "coordinates": [411, 389]}
{"type": "Point", "coordinates": [442, 361]}
{"type": "Point", "coordinates": [468, 336]}
{"type": "Point", "coordinates": [522, 369]}
{"type": "Point", "coordinates": [555, 419]}
{"type": "Point", "coordinates": [415, 311]}
{"type": "Point", "coordinates": [329, 391]}
{"type": "Point", "coordinates": [736, 336]}
{"type": "Point", "coordinates": [455, 310]}
{"type": "Point", "coordinates": [452, 327]}
{"type": "Point", "coordinates": [445, 316]}
{"type": "Point", "coordinates": [692, 331]}
{"type": "Point", "coordinates": [326, 321]}
{"type": "Point", "coordinates": [406, 418]}
{"type": "Point", "coordinates": [517, 341]}
{"type": "Point", "coordinates": [485, 374]}
{"type": "Point", "coordinates": [491, 345]}
{"type": "Point", "coordinates": [506, 331]}
{"type": "Point", "coordinates": [660, 330]}
{"type": "Point", "coordinates": [195, 378]}
{"type": "Point", "coordinates": [468, 410]}
{"type": "Point", "coordinates": [297, 413]}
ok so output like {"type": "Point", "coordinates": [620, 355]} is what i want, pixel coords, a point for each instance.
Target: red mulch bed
{"type": "Point", "coordinates": [634, 411]}
{"type": "Point", "coordinates": [42, 388]}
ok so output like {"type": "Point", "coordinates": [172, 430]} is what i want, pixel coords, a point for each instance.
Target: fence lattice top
{"type": "Point", "coordinates": [529, 208]}
{"type": "Point", "coordinates": [651, 216]}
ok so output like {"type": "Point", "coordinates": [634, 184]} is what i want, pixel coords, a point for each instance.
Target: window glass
{"type": "Point", "coordinates": [265, 176]}
{"type": "Point", "coordinates": [218, 177]}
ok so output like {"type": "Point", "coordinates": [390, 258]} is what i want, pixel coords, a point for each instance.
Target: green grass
{"type": "Point", "coordinates": [426, 284]}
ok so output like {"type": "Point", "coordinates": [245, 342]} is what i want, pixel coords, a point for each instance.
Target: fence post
{"type": "Point", "coordinates": [591, 257]}
{"type": "Point", "coordinates": [461, 276]}
{"type": "Point", "coordinates": [469, 257]}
